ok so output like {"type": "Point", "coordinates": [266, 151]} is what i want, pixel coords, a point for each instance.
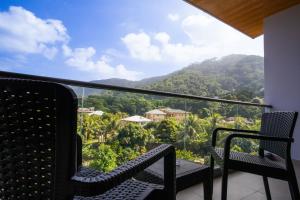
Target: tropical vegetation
{"type": "Point", "coordinates": [109, 141]}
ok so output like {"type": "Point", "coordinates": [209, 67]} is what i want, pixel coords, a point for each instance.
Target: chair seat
{"type": "Point", "coordinates": [247, 159]}
{"type": "Point", "coordinates": [128, 190]}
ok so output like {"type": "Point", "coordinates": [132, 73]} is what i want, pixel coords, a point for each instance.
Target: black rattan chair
{"type": "Point", "coordinates": [40, 153]}
{"type": "Point", "coordinates": [275, 136]}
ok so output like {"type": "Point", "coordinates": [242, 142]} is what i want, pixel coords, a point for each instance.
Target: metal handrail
{"type": "Point", "coordinates": [124, 89]}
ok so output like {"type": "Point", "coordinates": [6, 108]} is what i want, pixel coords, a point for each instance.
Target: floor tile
{"type": "Point", "coordinates": [243, 186]}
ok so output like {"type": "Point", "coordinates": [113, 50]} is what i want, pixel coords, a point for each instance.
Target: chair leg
{"type": "Point", "coordinates": [224, 182]}
{"type": "Point", "coordinates": [294, 189]}
{"type": "Point", "coordinates": [212, 166]}
{"type": "Point", "coordinates": [207, 189]}
{"type": "Point", "coordinates": [267, 188]}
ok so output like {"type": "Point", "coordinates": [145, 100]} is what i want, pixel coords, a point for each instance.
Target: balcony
{"type": "Point", "coordinates": [122, 123]}
{"type": "Point", "coordinates": [241, 185]}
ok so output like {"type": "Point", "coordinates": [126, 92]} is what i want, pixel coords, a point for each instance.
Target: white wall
{"type": "Point", "coordinates": [282, 64]}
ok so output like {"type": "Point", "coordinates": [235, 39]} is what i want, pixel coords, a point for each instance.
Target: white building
{"type": "Point", "coordinates": [137, 119]}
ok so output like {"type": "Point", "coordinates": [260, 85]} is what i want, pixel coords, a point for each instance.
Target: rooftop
{"type": "Point", "coordinates": [171, 110]}
{"type": "Point", "coordinates": [156, 112]}
{"type": "Point", "coordinates": [97, 112]}
{"type": "Point", "coordinates": [86, 110]}
{"type": "Point", "coordinates": [136, 118]}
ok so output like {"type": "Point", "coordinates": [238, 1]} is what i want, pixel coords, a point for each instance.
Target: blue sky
{"type": "Point", "coordinates": [98, 39]}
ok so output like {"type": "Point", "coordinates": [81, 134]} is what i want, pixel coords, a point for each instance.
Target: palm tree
{"type": "Point", "coordinates": [213, 118]}
{"type": "Point", "coordinates": [191, 127]}
{"type": "Point", "coordinates": [111, 123]}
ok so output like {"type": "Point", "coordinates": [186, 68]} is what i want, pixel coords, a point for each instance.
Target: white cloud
{"type": "Point", "coordinates": [207, 38]}
{"type": "Point", "coordinates": [195, 26]}
{"type": "Point", "coordinates": [208, 32]}
{"type": "Point", "coordinates": [67, 51]}
{"type": "Point", "coordinates": [83, 60]}
{"type": "Point", "coordinates": [162, 37]}
{"type": "Point", "coordinates": [22, 32]}
{"type": "Point", "coordinates": [140, 47]}
{"type": "Point", "coordinates": [122, 72]}
{"type": "Point", "coordinates": [178, 53]}
{"type": "Point", "coordinates": [173, 17]}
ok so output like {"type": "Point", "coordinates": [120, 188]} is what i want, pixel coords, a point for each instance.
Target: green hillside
{"type": "Point", "coordinates": [232, 77]}
{"type": "Point", "coordinates": [237, 77]}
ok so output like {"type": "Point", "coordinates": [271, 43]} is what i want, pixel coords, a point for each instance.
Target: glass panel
{"type": "Point", "coordinates": [249, 118]}
{"type": "Point", "coordinates": [119, 126]}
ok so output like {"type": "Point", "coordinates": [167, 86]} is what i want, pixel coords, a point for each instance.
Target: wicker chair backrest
{"type": "Point", "coordinates": [37, 122]}
{"type": "Point", "coordinates": [277, 124]}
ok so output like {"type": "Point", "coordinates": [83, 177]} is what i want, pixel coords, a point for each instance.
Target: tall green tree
{"type": "Point", "coordinates": [89, 126]}
{"type": "Point", "coordinates": [100, 157]}
{"type": "Point", "coordinates": [111, 123]}
{"type": "Point", "coordinates": [167, 131]}
{"type": "Point", "coordinates": [133, 136]}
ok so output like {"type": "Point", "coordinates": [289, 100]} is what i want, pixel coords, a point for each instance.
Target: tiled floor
{"type": "Point", "coordinates": [243, 186]}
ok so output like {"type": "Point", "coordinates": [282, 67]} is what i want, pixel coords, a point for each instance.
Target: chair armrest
{"type": "Point", "coordinates": [251, 136]}
{"type": "Point", "coordinates": [87, 186]}
{"type": "Point", "coordinates": [215, 133]}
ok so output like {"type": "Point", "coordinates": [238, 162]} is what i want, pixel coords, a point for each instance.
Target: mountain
{"type": "Point", "coordinates": [117, 82]}
{"type": "Point", "coordinates": [231, 77]}
{"type": "Point", "coordinates": [128, 83]}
